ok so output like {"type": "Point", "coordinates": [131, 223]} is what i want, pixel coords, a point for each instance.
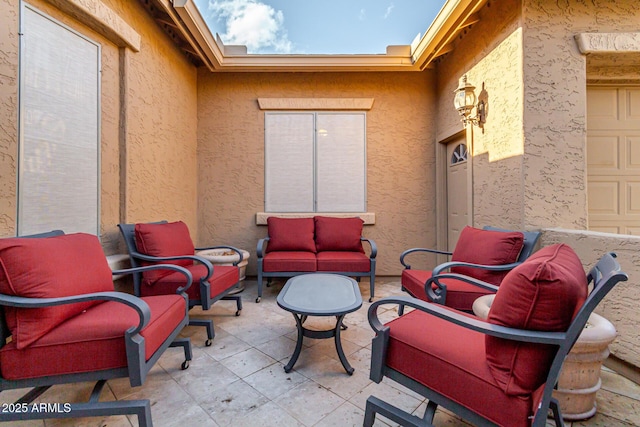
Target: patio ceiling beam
{"type": "Point", "coordinates": [165, 15]}
{"type": "Point", "coordinates": [454, 16]}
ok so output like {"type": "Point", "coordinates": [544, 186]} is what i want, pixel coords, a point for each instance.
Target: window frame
{"type": "Point", "coordinates": [315, 164]}
{"type": "Point", "coordinates": [33, 219]}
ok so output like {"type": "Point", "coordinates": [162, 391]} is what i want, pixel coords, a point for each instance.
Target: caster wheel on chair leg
{"type": "Point", "coordinates": [258, 300]}
{"type": "Point", "coordinates": [185, 365]}
{"type": "Point", "coordinates": [208, 343]}
{"type": "Point", "coordinates": [370, 299]}
{"type": "Point", "coordinates": [238, 313]}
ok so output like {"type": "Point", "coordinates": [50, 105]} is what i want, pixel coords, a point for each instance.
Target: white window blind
{"type": "Point", "coordinates": [340, 162]}
{"type": "Point", "coordinates": [315, 162]}
{"type": "Point", "coordinates": [289, 162]}
{"type": "Point", "coordinates": [58, 183]}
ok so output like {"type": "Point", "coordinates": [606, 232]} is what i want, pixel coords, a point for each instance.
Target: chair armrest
{"type": "Point", "coordinates": [439, 295]}
{"type": "Point", "coordinates": [195, 258]}
{"type": "Point", "coordinates": [141, 307]}
{"type": "Point", "coordinates": [262, 247]}
{"type": "Point", "coordinates": [410, 251]}
{"type": "Point", "coordinates": [173, 267]}
{"type": "Point", "coordinates": [232, 248]}
{"type": "Point", "coordinates": [446, 266]}
{"type": "Point", "coordinates": [372, 244]}
{"type": "Point", "coordinates": [460, 319]}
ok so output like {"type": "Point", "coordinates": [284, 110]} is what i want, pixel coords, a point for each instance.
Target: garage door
{"type": "Point", "coordinates": [613, 159]}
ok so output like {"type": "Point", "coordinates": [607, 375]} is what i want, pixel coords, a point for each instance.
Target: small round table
{"type": "Point", "coordinates": [320, 294]}
{"type": "Point", "coordinates": [223, 256]}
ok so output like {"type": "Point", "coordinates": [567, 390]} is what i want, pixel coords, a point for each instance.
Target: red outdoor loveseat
{"type": "Point", "coordinates": [319, 244]}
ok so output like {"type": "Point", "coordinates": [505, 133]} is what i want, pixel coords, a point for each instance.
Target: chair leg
{"type": "Point", "coordinates": [430, 412]}
{"type": "Point", "coordinates": [557, 414]}
{"type": "Point", "coordinates": [375, 405]}
{"type": "Point", "coordinates": [259, 281]}
{"type": "Point", "coordinates": [400, 309]}
{"type": "Point", "coordinates": [207, 324]}
{"type": "Point", "coordinates": [372, 287]}
{"type": "Point", "coordinates": [238, 301]}
{"type": "Point", "coordinates": [92, 408]}
{"type": "Point", "coordinates": [185, 343]}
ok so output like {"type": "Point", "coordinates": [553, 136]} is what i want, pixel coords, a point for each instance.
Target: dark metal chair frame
{"type": "Point", "coordinates": [136, 370]}
{"type": "Point", "coordinates": [439, 295]}
{"type": "Point", "coordinates": [206, 299]}
{"type": "Point", "coordinates": [261, 251]}
{"type": "Point", "coordinates": [604, 276]}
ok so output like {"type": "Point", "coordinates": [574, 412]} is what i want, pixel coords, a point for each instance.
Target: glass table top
{"type": "Point", "coordinates": [320, 294]}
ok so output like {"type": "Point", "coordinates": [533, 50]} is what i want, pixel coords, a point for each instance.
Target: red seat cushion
{"type": "Point", "coordinates": [164, 240]}
{"type": "Point", "coordinates": [460, 295]}
{"type": "Point", "coordinates": [290, 234]}
{"type": "Point", "coordinates": [413, 282]}
{"type": "Point", "coordinates": [92, 340]}
{"type": "Point", "coordinates": [487, 247]}
{"type": "Point", "coordinates": [50, 267]}
{"type": "Point", "coordinates": [338, 234]}
{"type": "Point", "coordinates": [541, 294]}
{"type": "Point", "coordinates": [451, 360]}
{"type": "Point", "coordinates": [343, 261]}
{"type": "Point", "coordinates": [289, 261]}
{"type": "Point", "coordinates": [223, 278]}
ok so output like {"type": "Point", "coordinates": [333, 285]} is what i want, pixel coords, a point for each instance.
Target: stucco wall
{"type": "Point", "coordinates": [489, 53]}
{"type": "Point", "coordinates": [400, 160]}
{"type": "Point", "coordinates": [148, 118]}
{"type": "Point", "coordinates": [160, 110]}
{"type": "Point", "coordinates": [555, 104]}
{"type": "Point", "coordinates": [620, 305]}
{"type": "Point", "coordinates": [8, 115]}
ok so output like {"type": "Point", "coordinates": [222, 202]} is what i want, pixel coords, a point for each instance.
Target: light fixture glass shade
{"type": "Point", "coordinates": [465, 98]}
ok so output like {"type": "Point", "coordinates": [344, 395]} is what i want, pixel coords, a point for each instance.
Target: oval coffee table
{"type": "Point", "coordinates": [319, 294]}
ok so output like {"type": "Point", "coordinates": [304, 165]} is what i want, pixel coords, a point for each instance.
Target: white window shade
{"type": "Point", "coordinates": [340, 151]}
{"type": "Point", "coordinates": [289, 177]}
{"type": "Point", "coordinates": [59, 127]}
{"type": "Point", "coordinates": [315, 162]}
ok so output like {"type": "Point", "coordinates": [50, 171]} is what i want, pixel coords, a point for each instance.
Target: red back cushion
{"type": "Point", "coordinates": [541, 294]}
{"type": "Point", "coordinates": [164, 240]}
{"type": "Point", "coordinates": [52, 267]}
{"type": "Point", "coordinates": [486, 247]}
{"type": "Point", "coordinates": [338, 234]}
{"type": "Point", "coordinates": [290, 234]}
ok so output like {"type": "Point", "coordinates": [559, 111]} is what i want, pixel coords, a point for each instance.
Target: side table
{"type": "Point", "coordinates": [228, 257]}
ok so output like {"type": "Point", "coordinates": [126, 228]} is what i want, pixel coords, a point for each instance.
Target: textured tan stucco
{"type": "Point", "coordinates": [8, 115]}
{"type": "Point", "coordinates": [400, 161]}
{"type": "Point", "coordinates": [620, 305]}
{"type": "Point", "coordinates": [555, 109]}
{"type": "Point", "coordinates": [148, 119]}
{"type": "Point", "coordinates": [489, 53]}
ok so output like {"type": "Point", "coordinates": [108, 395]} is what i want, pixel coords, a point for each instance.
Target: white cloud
{"type": "Point", "coordinates": [389, 9]}
{"type": "Point", "coordinates": [363, 15]}
{"type": "Point", "coordinates": [252, 23]}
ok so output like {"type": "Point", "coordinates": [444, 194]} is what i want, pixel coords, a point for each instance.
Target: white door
{"type": "Point", "coordinates": [457, 189]}
{"type": "Point", "coordinates": [613, 159]}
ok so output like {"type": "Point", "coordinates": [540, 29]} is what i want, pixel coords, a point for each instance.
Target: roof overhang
{"type": "Point", "coordinates": [182, 20]}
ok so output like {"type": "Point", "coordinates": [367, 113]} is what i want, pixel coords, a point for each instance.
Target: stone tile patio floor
{"type": "Point", "coordinates": [240, 379]}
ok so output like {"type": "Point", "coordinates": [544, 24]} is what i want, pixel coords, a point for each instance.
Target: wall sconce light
{"type": "Point", "coordinates": [465, 101]}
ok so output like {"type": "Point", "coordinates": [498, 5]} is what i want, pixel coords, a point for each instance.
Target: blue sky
{"type": "Point", "coordinates": [318, 26]}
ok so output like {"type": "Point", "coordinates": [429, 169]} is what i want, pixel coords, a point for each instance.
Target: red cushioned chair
{"type": "Point", "coordinates": [499, 372]}
{"type": "Point", "coordinates": [164, 242]}
{"type": "Point", "coordinates": [62, 322]}
{"type": "Point", "coordinates": [479, 262]}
